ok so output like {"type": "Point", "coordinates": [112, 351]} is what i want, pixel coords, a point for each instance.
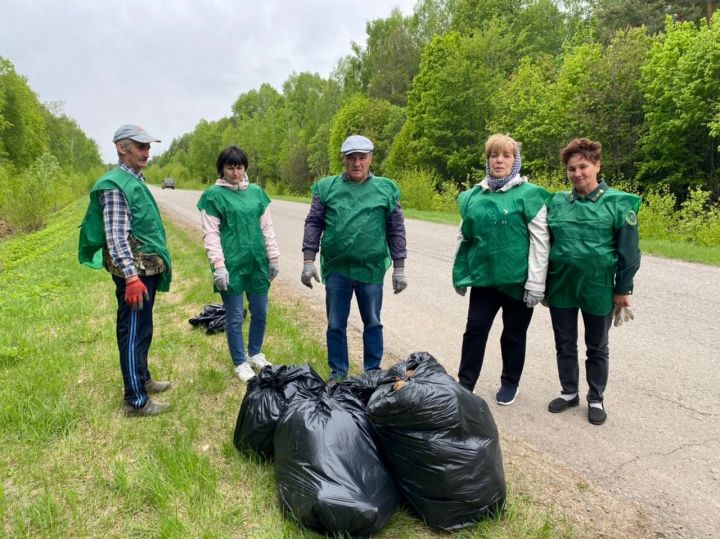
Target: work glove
{"type": "Point", "coordinates": [460, 290]}
{"type": "Point", "coordinates": [399, 281]}
{"type": "Point", "coordinates": [622, 315]}
{"type": "Point", "coordinates": [135, 293]}
{"type": "Point", "coordinates": [273, 270]}
{"type": "Point", "coordinates": [309, 273]}
{"type": "Point", "coordinates": [221, 278]}
{"type": "Point", "coordinates": [532, 298]}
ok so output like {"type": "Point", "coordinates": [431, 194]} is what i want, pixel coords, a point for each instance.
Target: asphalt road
{"type": "Point", "coordinates": [660, 446]}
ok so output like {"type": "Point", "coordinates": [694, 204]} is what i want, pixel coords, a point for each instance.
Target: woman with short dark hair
{"type": "Point", "coordinates": [240, 243]}
{"type": "Point", "coordinates": [593, 260]}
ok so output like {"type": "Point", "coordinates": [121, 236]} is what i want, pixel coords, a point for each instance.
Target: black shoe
{"type": "Point", "coordinates": [596, 416]}
{"type": "Point", "coordinates": [560, 405]}
{"type": "Point", "coordinates": [506, 395]}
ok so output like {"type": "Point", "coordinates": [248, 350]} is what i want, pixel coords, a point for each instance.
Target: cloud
{"type": "Point", "coordinates": [167, 65]}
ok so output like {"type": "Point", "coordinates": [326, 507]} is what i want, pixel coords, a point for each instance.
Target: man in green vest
{"type": "Point", "coordinates": [122, 232]}
{"type": "Point", "coordinates": [359, 218]}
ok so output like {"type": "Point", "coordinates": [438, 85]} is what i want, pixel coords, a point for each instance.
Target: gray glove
{"type": "Point", "coordinates": [399, 281]}
{"type": "Point", "coordinates": [532, 298]}
{"type": "Point", "coordinates": [622, 315]}
{"type": "Point", "coordinates": [461, 290]}
{"type": "Point", "coordinates": [273, 270]}
{"type": "Point", "coordinates": [309, 273]}
{"type": "Point", "coordinates": [221, 278]}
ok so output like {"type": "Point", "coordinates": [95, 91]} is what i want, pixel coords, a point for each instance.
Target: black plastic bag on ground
{"type": "Point", "coordinates": [265, 400]}
{"type": "Point", "coordinates": [209, 314]}
{"type": "Point", "coordinates": [330, 475]}
{"type": "Point", "coordinates": [362, 386]}
{"type": "Point", "coordinates": [217, 325]}
{"type": "Point", "coordinates": [441, 443]}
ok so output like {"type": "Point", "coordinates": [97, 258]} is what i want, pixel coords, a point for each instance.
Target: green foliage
{"type": "Point", "coordinates": [376, 119]}
{"type": "Point", "coordinates": [681, 81]}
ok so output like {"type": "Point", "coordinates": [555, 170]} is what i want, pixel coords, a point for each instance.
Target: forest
{"type": "Point", "coordinates": [642, 77]}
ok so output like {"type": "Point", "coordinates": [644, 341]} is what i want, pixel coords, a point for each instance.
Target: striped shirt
{"type": "Point", "coordinates": [117, 224]}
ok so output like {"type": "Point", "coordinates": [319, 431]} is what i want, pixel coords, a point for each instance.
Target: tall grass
{"type": "Point", "coordinates": [74, 466]}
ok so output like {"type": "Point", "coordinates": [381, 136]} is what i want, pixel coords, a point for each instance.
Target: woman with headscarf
{"type": "Point", "coordinates": [594, 257]}
{"type": "Point", "coordinates": [503, 256]}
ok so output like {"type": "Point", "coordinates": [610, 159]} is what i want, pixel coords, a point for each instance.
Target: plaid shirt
{"type": "Point", "coordinates": [117, 223]}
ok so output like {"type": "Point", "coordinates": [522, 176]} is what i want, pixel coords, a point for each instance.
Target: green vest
{"type": "Point", "coordinates": [495, 247]}
{"type": "Point", "coordinates": [241, 237]}
{"type": "Point", "coordinates": [583, 256]}
{"type": "Point", "coordinates": [354, 243]}
{"type": "Point", "coordinates": [145, 220]}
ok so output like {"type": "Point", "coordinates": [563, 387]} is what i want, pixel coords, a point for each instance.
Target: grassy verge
{"type": "Point", "coordinates": [74, 466]}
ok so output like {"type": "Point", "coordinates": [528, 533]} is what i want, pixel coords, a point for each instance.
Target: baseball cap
{"type": "Point", "coordinates": [133, 132]}
{"type": "Point", "coordinates": [356, 144]}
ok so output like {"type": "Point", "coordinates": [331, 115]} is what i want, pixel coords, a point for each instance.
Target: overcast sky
{"type": "Point", "coordinates": [166, 64]}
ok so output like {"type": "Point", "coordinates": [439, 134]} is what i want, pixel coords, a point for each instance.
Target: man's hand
{"type": "Point", "coordinates": [221, 278]}
{"type": "Point", "coordinates": [532, 298]}
{"type": "Point", "coordinates": [399, 281]}
{"type": "Point", "coordinates": [309, 273]}
{"type": "Point", "coordinates": [273, 270]}
{"type": "Point", "coordinates": [135, 292]}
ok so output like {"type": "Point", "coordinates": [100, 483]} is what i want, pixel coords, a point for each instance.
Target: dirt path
{"type": "Point", "coordinates": [653, 469]}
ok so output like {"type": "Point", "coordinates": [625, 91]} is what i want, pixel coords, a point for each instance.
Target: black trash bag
{"type": "Point", "coordinates": [330, 475]}
{"type": "Point", "coordinates": [361, 386]}
{"type": "Point", "coordinates": [265, 400]}
{"type": "Point", "coordinates": [217, 325]}
{"type": "Point", "coordinates": [209, 313]}
{"type": "Point", "coordinates": [441, 443]}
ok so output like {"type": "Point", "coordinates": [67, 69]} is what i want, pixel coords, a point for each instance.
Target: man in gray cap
{"type": "Point", "coordinates": [122, 232]}
{"type": "Point", "coordinates": [358, 218]}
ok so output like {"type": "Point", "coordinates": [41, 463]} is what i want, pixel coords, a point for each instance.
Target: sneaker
{"type": "Point", "coordinates": [150, 408]}
{"type": "Point", "coordinates": [560, 405]}
{"type": "Point", "coordinates": [596, 416]}
{"type": "Point", "coordinates": [244, 372]}
{"type": "Point", "coordinates": [258, 361]}
{"type": "Point", "coordinates": [153, 386]}
{"type": "Point", "coordinates": [506, 395]}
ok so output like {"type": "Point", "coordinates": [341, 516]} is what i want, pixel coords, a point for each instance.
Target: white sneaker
{"type": "Point", "coordinates": [244, 372]}
{"type": "Point", "coordinates": [258, 361]}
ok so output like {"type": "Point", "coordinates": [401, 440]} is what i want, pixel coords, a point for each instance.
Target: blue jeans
{"type": "Point", "coordinates": [234, 315]}
{"type": "Point", "coordinates": [338, 295]}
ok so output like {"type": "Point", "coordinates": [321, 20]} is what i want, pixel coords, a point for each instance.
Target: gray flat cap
{"type": "Point", "coordinates": [133, 132]}
{"type": "Point", "coordinates": [356, 144]}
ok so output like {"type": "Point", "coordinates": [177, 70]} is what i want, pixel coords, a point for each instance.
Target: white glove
{"type": "Point", "coordinates": [309, 273]}
{"type": "Point", "coordinates": [622, 315]}
{"type": "Point", "coordinates": [532, 298]}
{"type": "Point", "coordinates": [273, 270]}
{"type": "Point", "coordinates": [221, 278]}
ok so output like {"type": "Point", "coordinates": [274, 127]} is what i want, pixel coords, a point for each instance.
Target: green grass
{"type": "Point", "coordinates": [681, 251]}
{"type": "Point", "coordinates": [74, 466]}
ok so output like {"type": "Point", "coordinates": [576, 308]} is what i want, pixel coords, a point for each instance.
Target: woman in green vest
{"type": "Point", "coordinates": [503, 257]}
{"type": "Point", "coordinates": [240, 243]}
{"type": "Point", "coordinates": [593, 259]}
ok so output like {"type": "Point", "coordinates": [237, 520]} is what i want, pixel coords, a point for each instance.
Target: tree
{"type": "Point", "coordinates": [376, 119]}
{"type": "Point", "coordinates": [681, 81]}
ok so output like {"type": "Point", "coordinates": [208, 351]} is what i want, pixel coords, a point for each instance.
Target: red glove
{"type": "Point", "coordinates": [135, 291]}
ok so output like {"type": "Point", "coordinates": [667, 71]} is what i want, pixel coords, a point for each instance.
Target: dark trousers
{"type": "Point", "coordinates": [134, 335]}
{"type": "Point", "coordinates": [597, 329]}
{"type": "Point", "coordinates": [484, 305]}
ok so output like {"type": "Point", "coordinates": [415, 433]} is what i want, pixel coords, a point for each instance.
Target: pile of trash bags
{"type": "Point", "coordinates": [212, 318]}
{"type": "Point", "coordinates": [346, 454]}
